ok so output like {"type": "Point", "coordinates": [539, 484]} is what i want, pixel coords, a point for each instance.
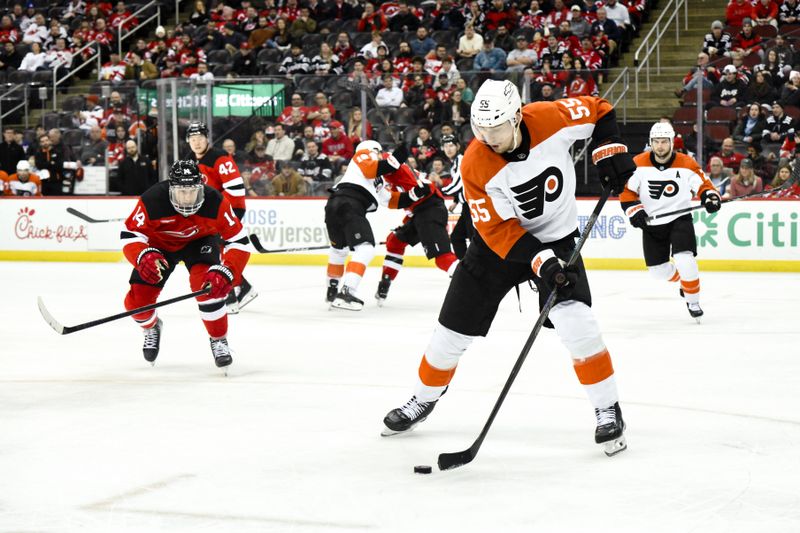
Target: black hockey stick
{"type": "Point", "coordinates": [260, 248]}
{"type": "Point", "coordinates": [448, 461]}
{"type": "Point", "coordinates": [91, 220]}
{"type": "Point", "coordinates": [66, 330]}
{"type": "Point", "coordinates": [689, 209]}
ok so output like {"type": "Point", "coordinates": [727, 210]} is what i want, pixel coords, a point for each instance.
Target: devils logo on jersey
{"type": "Point", "coordinates": [532, 194]}
{"type": "Point", "coordinates": [667, 188]}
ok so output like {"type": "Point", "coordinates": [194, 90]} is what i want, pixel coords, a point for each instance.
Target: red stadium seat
{"type": "Point", "coordinates": [684, 129]}
{"type": "Point", "coordinates": [766, 31]}
{"type": "Point", "coordinates": [685, 114]}
{"type": "Point", "coordinates": [721, 114]}
{"type": "Point", "coordinates": [718, 130]}
{"type": "Point", "coordinates": [690, 98]}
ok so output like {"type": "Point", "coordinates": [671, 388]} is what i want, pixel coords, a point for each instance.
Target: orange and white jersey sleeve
{"type": "Point", "coordinates": [362, 171]}
{"type": "Point", "coordinates": [664, 188]}
{"type": "Point", "coordinates": [532, 191]}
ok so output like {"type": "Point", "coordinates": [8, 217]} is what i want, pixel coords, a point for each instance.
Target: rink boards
{"type": "Point", "coordinates": [757, 235]}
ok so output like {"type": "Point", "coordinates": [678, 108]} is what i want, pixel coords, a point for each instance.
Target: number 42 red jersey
{"type": "Point", "coordinates": [221, 173]}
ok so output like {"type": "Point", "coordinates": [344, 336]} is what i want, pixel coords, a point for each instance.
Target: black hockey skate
{"type": "Point", "coordinates": [694, 309]}
{"type": "Point", "coordinates": [405, 418]}
{"type": "Point", "coordinates": [245, 294]}
{"type": "Point", "coordinates": [347, 300]}
{"type": "Point", "coordinates": [232, 303]}
{"type": "Point", "coordinates": [152, 341]}
{"type": "Point", "coordinates": [610, 430]}
{"type": "Point", "coordinates": [383, 289]}
{"type": "Point", "coordinates": [222, 354]}
{"type": "Point", "coordinates": [333, 290]}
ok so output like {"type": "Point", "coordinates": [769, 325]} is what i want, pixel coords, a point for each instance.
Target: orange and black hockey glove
{"type": "Point", "coordinates": [615, 165]}
{"type": "Point", "coordinates": [711, 201]}
{"type": "Point", "coordinates": [554, 272]}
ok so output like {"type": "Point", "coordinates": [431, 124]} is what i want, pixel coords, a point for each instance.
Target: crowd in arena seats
{"type": "Point", "coordinates": [748, 75]}
{"type": "Point", "coordinates": [422, 60]}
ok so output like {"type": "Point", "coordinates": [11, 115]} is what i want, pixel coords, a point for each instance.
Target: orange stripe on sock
{"type": "Point", "coordinates": [358, 268]}
{"type": "Point", "coordinates": [675, 276]}
{"type": "Point", "coordinates": [691, 286]}
{"type": "Point", "coordinates": [335, 271]}
{"type": "Point", "coordinates": [434, 377]}
{"type": "Point", "coordinates": [594, 368]}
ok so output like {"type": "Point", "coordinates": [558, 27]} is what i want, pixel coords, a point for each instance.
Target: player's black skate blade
{"type": "Point", "coordinates": [610, 435]}
{"type": "Point", "coordinates": [246, 295]}
{"type": "Point", "coordinates": [152, 342]}
{"type": "Point", "coordinates": [694, 311]}
{"type": "Point", "coordinates": [347, 301]}
{"type": "Point", "coordinates": [383, 290]}
{"type": "Point", "coordinates": [232, 303]}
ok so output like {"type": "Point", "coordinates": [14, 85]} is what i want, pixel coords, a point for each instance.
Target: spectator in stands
{"type": "Point", "coordinates": [36, 31]}
{"type": "Point", "coordinates": [789, 12]}
{"type": "Point", "coordinates": [415, 95]}
{"type": "Point", "coordinates": [199, 16]}
{"type": "Point", "coordinates": [202, 73]}
{"type": "Point", "coordinates": [747, 41]}
{"type": "Point", "coordinates": [370, 50]}
{"type": "Point", "coordinates": [281, 147]}
{"type": "Point", "coordinates": [372, 20]}
{"type": "Point", "coordinates": [718, 42]}
{"type": "Point", "coordinates": [499, 15]}
{"type": "Point", "coordinates": [490, 59]}
{"type": "Point", "coordinates": [609, 28]}
{"type": "Point", "coordinates": [93, 148]}
{"type": "Point", "coordinates": [34, 59]}
{"type": "Point", "coordinates": [140, 69]}
{"type": "Point", "coordinates": [448, 16]}
{"type": "Point", "coordinates": [467, 94]}
{"type": "Point", "coordinates": [9, 57]}
{"type": "Point", "coordinates": [116, 146]}
{"type": "Point", "coordinates": [777, 70]}
{"type": "Point", "coordinates": [580, 81]}
{"type": "Point", "coordinates": [322, 124]}
{"type": "Point", "coordinates": [122, 17]}
{"type": "Point", "coordinates": [337, 147]}
{"type": "Point", "coordinates": [326, 62]}
{"type": "Point", "coordinates": [731, 91]}
{"type": "Point", "coordinates": [10, 152]}
{"type": "Point", "coordinates": [730, 158]}
{"type": "Point", "coordinates": [469, 44]}
{"type": "Point", "coordinates": [430, 112]}
{"type": "Point", "coordinates": [503, 39]}
{"type": "Point", "coordinates": [136, 171]}
{"type": "Point", "coordinates": [403, 20]}
{"type": "Point", "coordinates": [50, 165]}
{"type": "Point", "coordinates": [784, 51]}
{"type": "Point", "coordinates": [745, 182]}
{"type": "Point", "coordinates": [737, 11]}
{"type": "Point", "coordinates": [423, 147]}
{"type": "Point", "coordinates": [355, 124]}
{"type": "Point", "coordinates": [389, 95]}
{"type": "Point", "coordinates": [718, 174]}
{"type": "Point", "coordinates": [295, 62]}
{"type": "Point", "coordinates": [342, 10]}
{"type": "Point", "coordinates": [783, 174]}
{"type": "Point", "coordinates": [761, 166]}
{"type": "Point", "coordinates": [320, 103]}
{"type": "Point", "coordinates": [232, 39]}
{"type": "Point", "coordinates": [244, 61]}
{"type": "Point", "coordinates": [303, 24]}
{"type": "Point", "coordinates": [456, 111]}
{"type": "Point", "coordinates": [761, 90]}
{"type": "Point", "coordinates": [296, 103]}
{"type": "Point", "coordinates": [790, 94]}
{"type": "Point", "coordinates": [779, 126]}
{"type": "Point", "coordinates": [23, 182]}
{"type": "Point", "coordinates": [114, 70]}
{"type": "Point", "coordinates": [578, 25]}
{"type": "Point", "coordinates": [343, 49]}
{"type": "Point", "coordinates": [282, 37]}
{"type": "Point", "coordinates": [521, 57]}
{"type": "Point", "coordinates": [301, 140]}
{"type": "Point", "coordinates": [315, 167]}
{"type": "Point", "coordinates": [750, 128]}
{"type": "Point", "coordinates": [765, 12]}
{"type": "Point", "coordinates": [422, 43]}
{"type": "Point", "coordinates": [288, 182]}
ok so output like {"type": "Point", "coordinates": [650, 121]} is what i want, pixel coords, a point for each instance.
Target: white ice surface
{"type": "Point", "coordinates": [93, 439]}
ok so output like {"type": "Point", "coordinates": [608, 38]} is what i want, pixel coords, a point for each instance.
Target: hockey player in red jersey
{"type": "Point", "coordinates": [351, 199]}
{"type": "Point", "coordinates": [425, 222]}
{"type": "Point", "coordinates": [666, 181]}
{"type": "Point", "coordinates": [183, 220]}
{"type": "Point", "coordinates": [519, 181]}
{"type": "Point", "coordinates": [221, 173]}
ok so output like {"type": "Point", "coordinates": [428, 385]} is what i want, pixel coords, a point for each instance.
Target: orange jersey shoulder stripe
{"type": "Point", "coordinates": [545, 119]}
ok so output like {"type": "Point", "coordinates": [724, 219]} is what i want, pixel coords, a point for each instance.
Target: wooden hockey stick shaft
{"type": "Point", "coordinates": [449, 461]}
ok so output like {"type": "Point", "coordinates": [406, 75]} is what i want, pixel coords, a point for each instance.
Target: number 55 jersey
{"type": "Point", "coordinates": [523, 198]}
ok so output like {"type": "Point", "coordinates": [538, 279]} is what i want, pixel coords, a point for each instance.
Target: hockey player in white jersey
{"type": "Point", "coordinates": [520, 184]}
{"type": "Point", "coordinates": [351, 199]}
{"type": "Point", "coordinates": [665, 181]}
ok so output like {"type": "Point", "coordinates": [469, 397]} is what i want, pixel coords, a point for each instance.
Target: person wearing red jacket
{"type": "Point", "coordinates": [181, 219]}
{"type": "Point", "coordinates": [498, 15]}
{"type": "Point", "coordinates": [765, 12]}
{"type": "Point", "coordinates": [338, 146]}
{"type": "Point", "coordinates": [372, 20]}
{"type": "Point", "coordinates": [747, 41]}
{"type": "Point", "coordinates": [737, 11]}
{"type": "Point", "coordinates": [220, 171]}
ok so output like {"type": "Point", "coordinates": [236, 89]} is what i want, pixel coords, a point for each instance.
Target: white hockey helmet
{"type": "Point", "coordinates": [662, 130]}
{"type": "Point", "coordinates": [493, 114]}
{"type": "Point", "coordinates": [375, 146]}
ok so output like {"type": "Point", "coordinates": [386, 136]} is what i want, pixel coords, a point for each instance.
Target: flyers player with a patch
{"type": "Point", "coordinates": [520, 181]}
{"type": "Point", "coordinates": [181, 219]}
{"type": "Point", "coordinates": [221, 172]}
{"type": "Point", "coordinates": [665, 181]}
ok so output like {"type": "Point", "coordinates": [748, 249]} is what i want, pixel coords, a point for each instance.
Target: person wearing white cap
{"type": "Point", "coordinates": [24, 183]}
{"type": "Point", "coordinates": [730, 92]}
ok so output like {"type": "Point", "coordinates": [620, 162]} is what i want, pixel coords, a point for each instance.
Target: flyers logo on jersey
{"type": "Point", "coordinates": [533, 194]}
{"type": "Point", "coordinates": [667, 189]}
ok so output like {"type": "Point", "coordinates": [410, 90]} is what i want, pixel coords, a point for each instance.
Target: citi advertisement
{"type": "Point", "coordinates": [747, 235]}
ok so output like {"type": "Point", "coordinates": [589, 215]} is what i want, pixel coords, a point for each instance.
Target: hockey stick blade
{"type": "Point", "coordinates": [66, 330]}
{"type": "Point", "coordinates": [449, 461]}
{"type": "Point", "coordinates": [87, 218]}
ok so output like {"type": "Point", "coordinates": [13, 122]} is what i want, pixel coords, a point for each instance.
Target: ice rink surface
{"type": "Point", "coordinates": [93, 439]}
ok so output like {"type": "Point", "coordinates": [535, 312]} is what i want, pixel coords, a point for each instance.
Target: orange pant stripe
{"type": "Point", "coordinates": [356, 267]}
{"type": "Point", "coordinates": [690, 286]}
{"type": "Point", "coordinates": [434, 377]}
{"type": "Point", "coordinates": [675, 276]}
{"type": "Point", "coordinates": [594, 368]}
{"type": "Point", "coordinates": [335, 271]}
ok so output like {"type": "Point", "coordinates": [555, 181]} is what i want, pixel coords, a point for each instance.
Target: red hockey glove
{"type": "Point", "coordinates": [150, 264]}
{"type": "Point", "coordinates": [220, 279]}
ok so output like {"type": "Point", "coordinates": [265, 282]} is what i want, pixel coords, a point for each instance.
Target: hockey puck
{"type": "Point", "coordinates": [423, 469]}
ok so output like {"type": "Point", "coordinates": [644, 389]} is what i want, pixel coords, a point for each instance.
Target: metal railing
{"type": "Point", "coordinates": [25, 89]}
{"type": "Point", "coordinates": [652, 41]}
{"type": "Point", "coordinates": [121, 37]}
{"type": "Point", "coordinates": [58, 81]}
